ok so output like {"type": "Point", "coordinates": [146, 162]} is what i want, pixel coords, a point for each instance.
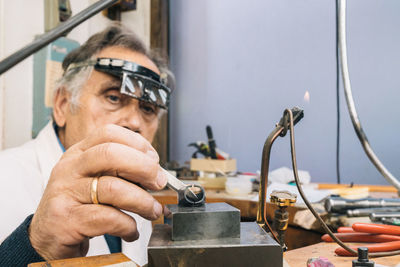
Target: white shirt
{"type": "Point", "coordinates": [24, 173]}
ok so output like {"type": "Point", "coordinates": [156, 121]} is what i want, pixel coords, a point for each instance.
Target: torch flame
{"type": "Point", "coordinates": [307, 97]}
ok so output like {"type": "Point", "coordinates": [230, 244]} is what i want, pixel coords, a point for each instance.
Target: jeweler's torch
{"type": "Point", "coordinates": [280, 130]}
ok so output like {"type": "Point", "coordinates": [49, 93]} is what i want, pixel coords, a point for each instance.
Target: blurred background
{"type": "Point", "coordinates": [238, 65]}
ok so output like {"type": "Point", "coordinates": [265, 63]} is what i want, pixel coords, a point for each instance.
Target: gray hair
{"type": "Point", "coordinates": [114, 35]}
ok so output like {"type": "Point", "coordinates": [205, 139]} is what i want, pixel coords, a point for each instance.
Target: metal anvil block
{"type": "Point", "coordinates": [211, 221]}
{"type": "Point", "coordinates": [254, 248]}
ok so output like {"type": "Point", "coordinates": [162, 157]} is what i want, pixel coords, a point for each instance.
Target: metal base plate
{"type": "Point", "coordinates": [253, 248]}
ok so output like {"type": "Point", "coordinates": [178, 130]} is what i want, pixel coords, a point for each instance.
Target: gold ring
{"type": "Point", "coordinates": [93, 190]}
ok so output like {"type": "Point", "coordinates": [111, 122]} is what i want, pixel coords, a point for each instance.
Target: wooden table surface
{"type": "Point", "coordinates": [294, 258]}
{"type": "Point", "coordinates": [298, 257]}
{"type": "Point", "coordinates": [93, 261]}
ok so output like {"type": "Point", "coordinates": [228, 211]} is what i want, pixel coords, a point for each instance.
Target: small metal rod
{"type": "Point", "coordinates": [52, 35]}
{"type": "Point", "coordinates": [375, 216]}
{"type": "Point", "coordinates": [262, 193]}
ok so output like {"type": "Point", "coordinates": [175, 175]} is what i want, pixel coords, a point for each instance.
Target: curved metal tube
{"type": "Point", "coordinates": [350, 102]}
{"type": "Point", "coordinates": [262, 194]}
{"type": "Point", "coordinates": [52, 35]}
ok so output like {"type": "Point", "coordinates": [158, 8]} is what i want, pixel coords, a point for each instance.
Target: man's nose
{"type": "Point", "coordinates": [131, 118]}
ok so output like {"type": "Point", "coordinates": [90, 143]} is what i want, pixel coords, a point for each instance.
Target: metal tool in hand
{"type": "Point", "coordinates": [188, 194]}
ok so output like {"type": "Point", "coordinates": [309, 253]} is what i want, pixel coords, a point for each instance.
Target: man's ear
{"type": "Point", "coordinates": [61, 106]}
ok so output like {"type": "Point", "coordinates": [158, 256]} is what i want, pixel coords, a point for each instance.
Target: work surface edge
{"type": "Point", "coordinates": [298, 257]}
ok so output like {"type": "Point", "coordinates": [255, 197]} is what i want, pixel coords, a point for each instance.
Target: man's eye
{"type": "Point", "coordinates": [114, 99]}
{"type": "Point", "coordinates": [148, 108]}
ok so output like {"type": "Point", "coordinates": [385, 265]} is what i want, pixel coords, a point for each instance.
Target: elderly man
{"type": "Point", "coordinates": [87, 172]}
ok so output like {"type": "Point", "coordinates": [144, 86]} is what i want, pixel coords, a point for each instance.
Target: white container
{"type": "Point", "coordinates": [238, 186]}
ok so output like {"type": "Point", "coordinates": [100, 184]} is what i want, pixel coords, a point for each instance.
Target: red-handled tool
{"type": "Point", "coordinates": [345, 230]}
{"type": "Point", "coordinates": [362, 237]}
{"type": "Point", "coordinates": [381, 247]}
{"type": "Point", "coordinates": [376, 228]}
{"type": "Point", "coordinates": [385, 237]}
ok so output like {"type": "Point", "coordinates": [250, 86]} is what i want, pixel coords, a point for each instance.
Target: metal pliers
{"type": "Point", "coordinates": [385, 237]}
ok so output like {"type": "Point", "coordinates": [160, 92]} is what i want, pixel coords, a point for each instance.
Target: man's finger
{"type": "Point", "coordinates": [116, 134]}
{"type": "Point", "coordinates": [94, 220]}
{"type": "Point", "coordinates": [122, 195]}
{"type": "Point", "coordinates": [123, 161]}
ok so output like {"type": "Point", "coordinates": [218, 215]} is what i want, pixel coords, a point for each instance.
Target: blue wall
{"type": "Point", "coordinates": [239, 64]}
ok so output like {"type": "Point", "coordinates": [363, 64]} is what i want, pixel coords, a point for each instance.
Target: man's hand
{"type": "Point", "coordinates": [66, 218]}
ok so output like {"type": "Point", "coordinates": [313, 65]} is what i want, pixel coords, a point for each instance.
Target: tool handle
{"type": "Point", "coordinates": [211, 142]}
{"type": "Point", "coordinates": [345, 230]}
{"type": "Point", "coordinates": [173, 182]}
{"type": "Point", "coordinates": [376, 228]}
{"type": "Point", "coordinates": [381, 247]}
{"type": "Point", "coordinates": [361, 237]}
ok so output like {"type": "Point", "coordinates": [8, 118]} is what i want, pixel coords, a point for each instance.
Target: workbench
{"type": "Point", "coordinates": [293, 258]}
{"type": "Point", "coordinates": [298, 257]}
{"type": "Point", "coordinates": [115, 259]}
{"type": "Point", "coordinates": [303, 243]}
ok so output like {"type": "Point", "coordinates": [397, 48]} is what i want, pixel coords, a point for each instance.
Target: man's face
{"type": "Point", "coordinates": [101, 103]}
